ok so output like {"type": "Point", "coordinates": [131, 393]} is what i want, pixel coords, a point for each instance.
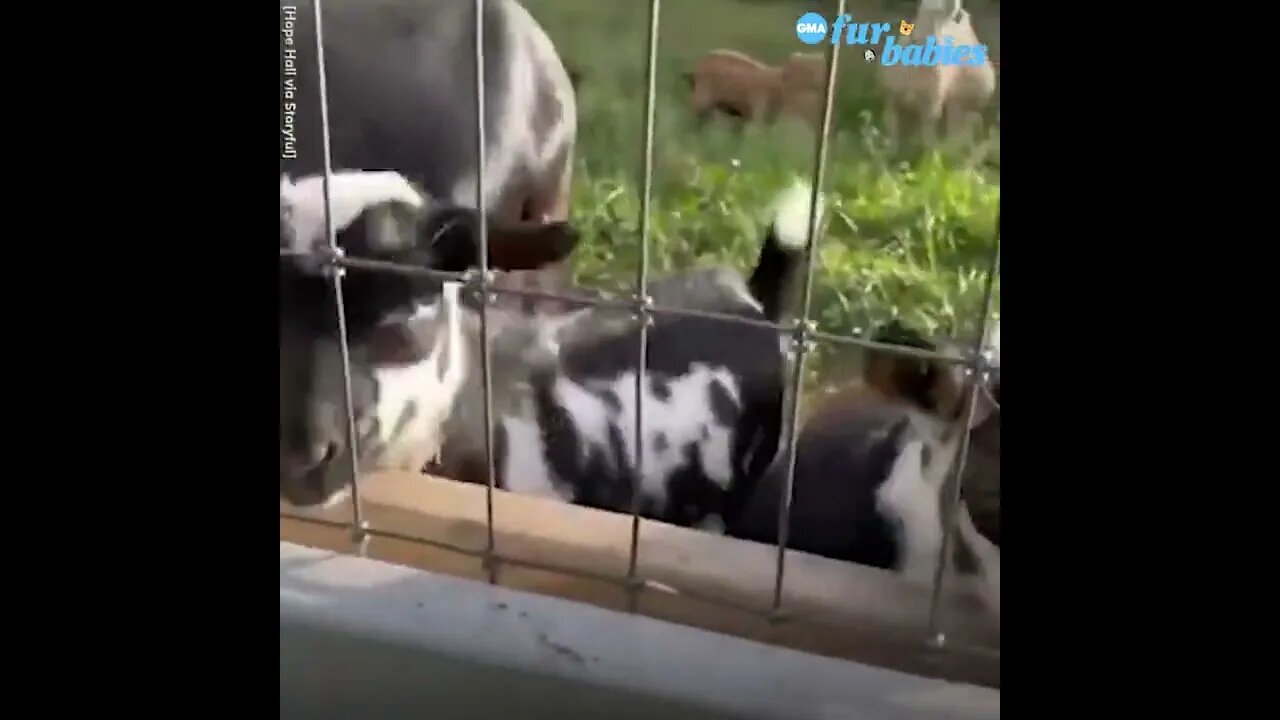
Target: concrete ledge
{"type": "Point", "coordinates": [369, 639]}
{"type": "Point", "coordinates": [706, 581]}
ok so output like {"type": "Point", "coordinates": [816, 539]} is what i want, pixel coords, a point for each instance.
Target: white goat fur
{"type": "Point", "coordinates": [913, 494]}
{"type": "Point", "coordinates": [424, 391]}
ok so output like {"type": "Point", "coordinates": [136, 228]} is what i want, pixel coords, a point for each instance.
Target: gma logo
{"type": "Point", "coordinates": [811, 27]}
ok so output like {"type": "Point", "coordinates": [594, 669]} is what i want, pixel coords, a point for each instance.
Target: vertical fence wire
{"type": "Point", "coordinates": [486, 365]}
{"type": "Point", "coordinates": [358, 528]}
{"type": "Point", "coordinates": [977, 367]}
{"type": "Point", "coordinates": [803, 325]}
{"type": "Point", "coordinates": [642, 299]}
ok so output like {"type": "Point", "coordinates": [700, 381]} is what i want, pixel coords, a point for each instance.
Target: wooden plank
{"type": "Point", "coordinates": [716, 583]}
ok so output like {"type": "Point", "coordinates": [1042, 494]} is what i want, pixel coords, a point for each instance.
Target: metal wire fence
{"type": "Point", "coordinates": [803, 333]}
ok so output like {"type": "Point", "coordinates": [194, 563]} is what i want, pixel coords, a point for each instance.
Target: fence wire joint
{"type": "Point", "coordinates": [802, 340]}
{"type": "Point", "coordinates": [642, 309]}
{"type": "Point", "coordinates": [330, 259]}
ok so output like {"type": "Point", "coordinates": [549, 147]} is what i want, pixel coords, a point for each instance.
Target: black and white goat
{"type": "Point", "coordinates": [564, 394]}
{"type": "Point", "coordinates": [872, 468]}
{"type": "Point", "coordinates": [408, 358]}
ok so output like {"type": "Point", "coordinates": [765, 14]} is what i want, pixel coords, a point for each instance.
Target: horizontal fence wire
{"type": "Point", "coordinates": [803, 331]}
{"type": "Point", "coordinates": [628, 305]}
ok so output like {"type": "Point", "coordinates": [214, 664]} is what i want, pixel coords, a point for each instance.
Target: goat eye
{"type": "Point", "coordinates": [445, 227]}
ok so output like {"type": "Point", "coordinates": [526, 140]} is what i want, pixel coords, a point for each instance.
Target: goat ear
{"type": "Point", "coordinates": [913, 379]}
{"type": "Point", "coordinates": [450, 237]}
{"type": "Point", "coordinates": [903, 377]}
{"type": "Point", "coordinates": [530, 245]}
{"type": "Point", "coordinates": [934, 386]}
{"type": "Point", "coordinates": [896, 333]}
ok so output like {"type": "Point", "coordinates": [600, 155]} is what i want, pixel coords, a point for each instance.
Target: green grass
{"type": "Point", "coordinates": [905, 240]}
